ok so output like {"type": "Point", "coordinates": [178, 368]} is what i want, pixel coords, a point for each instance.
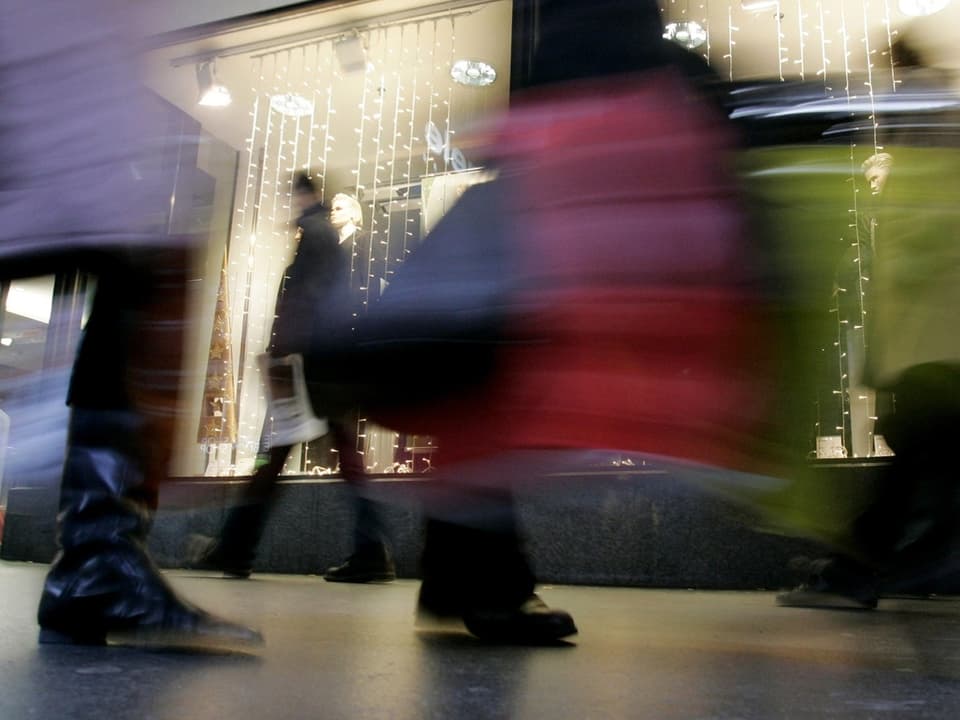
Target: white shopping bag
{"type": "Point", "coordinates": [289, 409]}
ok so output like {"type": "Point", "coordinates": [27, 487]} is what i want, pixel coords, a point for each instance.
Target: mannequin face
{"type": "Point", "coordinates": [342, 211]}
{"type": "Point", "coordinates": [876, 176]}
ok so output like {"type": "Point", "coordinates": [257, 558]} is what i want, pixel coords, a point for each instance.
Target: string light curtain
{"type": "Point", "coordinates": [848, 44]}
{"type": "Point", "coordinates": [360, 132]}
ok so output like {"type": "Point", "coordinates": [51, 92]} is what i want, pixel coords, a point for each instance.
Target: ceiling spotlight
{"type": "Point", "coordinates": [212, 92]}
{"type": "Point", "coordinates": [759, 5]}
{"type": "Point", "coordinates": [291, 105]}
{"type": "Point", "coordinates": [351, 53]}
{"type": "Point", "coordinates": [473, 72]}
{"type": "Point", "coordinates": [688, 33]}
{"type": "Point", "coordinates": [918, 8]}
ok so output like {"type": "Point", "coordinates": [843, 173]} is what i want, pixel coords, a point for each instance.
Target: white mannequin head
{"type": "Point", "coordinates": [876, 168]}
{"type": "Point", "coordinates": [345, 213]}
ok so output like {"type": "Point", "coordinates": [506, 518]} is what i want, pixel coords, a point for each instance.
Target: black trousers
{"type": "Point", "coordinates": [473, 555]}
{"type": "Point", "coordinates": [130, 353]}
{"type": "Point", "coordinates": [244, 526]}
{"type": "Point", "coordinates": [911, 526]}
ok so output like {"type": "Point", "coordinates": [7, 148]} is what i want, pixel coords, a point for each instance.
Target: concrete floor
{"type": "Point", "coordinates": [341, 651]}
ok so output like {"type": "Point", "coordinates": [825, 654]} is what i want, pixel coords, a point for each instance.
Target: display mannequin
{"type": "Point", "coordinates": [876, 169]}
{"type": "Point", "coordinates": [854, 280]}
{"type": "Point", "coordinates": [371, 556]}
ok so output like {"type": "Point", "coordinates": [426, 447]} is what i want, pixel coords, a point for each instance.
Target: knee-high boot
{"type": "Point", "coordinates": [103, 582]}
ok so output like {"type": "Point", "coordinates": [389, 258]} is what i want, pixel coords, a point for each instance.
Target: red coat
{"type": "Point", "coordinates": [633, 254]}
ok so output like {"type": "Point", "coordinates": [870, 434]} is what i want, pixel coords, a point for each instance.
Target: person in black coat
{"type": "Point", "coordinates": [321, 294]}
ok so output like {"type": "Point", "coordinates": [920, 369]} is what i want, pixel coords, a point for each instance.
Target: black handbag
{"type": "Point", "coordinates": [437, 326]}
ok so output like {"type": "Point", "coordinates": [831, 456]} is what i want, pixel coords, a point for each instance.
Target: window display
{"type": "Point", "coordinates": [369, 102]}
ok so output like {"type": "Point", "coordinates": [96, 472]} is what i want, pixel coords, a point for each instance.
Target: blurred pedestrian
{"type": "Point", "coordinates": [630, 313]}
{"type": "Point", "coordinates": [326, 284]}
{"type": "Point", "coordinates": [905, 538]}
{"type": "Point", "coordinates": [75, 194]}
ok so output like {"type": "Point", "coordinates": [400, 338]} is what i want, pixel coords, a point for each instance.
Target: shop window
{"type": "Point", "coordinates": [365, 100]}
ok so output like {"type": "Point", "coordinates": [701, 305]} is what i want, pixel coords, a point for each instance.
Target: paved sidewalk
{"type": "Point", "coordinates": [341, 651]}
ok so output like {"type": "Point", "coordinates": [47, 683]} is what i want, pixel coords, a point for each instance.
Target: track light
{"type": "Point", "coordinates": [759, 5]}
{"type": "Point", "coordinates": [473, 72]}
{"type": "Point", "coordinates": [212, 92]}
{"type": "Point", "coordinates": [351, 53]}
{"type": "Point", "coordinates": [688, 33]}
{"type": "Point", "coordinates": [919, 8]}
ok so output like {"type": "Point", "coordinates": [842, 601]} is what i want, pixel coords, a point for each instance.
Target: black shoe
{"type": "Point", "coordinates": [530, 623]}
{"type": "Point", "coordinates": [809, 596]}
{"type": "Point", "coordinates": [207, 553]}
{"type": "Point", "coordinates": [832, 583]}
{"type": "Point", "coordinates": [367, 565]}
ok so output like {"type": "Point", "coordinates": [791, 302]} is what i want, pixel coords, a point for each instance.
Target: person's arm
{"type": "Point", "coordinates": [311, 287]}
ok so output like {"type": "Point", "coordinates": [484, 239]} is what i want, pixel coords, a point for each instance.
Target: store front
{"type": "Point", "coordinates": [376, 101]}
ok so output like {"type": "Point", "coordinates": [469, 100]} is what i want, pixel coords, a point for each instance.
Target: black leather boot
{"type": "Point", "coordinates": [103, 584]}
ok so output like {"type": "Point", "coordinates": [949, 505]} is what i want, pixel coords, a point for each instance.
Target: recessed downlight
{"type": "Point", "coordinates": [475, 73]}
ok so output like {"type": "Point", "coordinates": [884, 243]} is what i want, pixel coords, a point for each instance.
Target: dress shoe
{"type": "Point", "coordinates": [832, 583]}
{"type": "Point", "coordinates": [530, 623]}
{"type": "Point", "coordinates": [207, 553]}
{"type": "Point", "coordinates": [371, 564]}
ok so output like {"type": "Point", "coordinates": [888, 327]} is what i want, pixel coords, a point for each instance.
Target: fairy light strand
{"type": "Point", "coordinates": [706, 24]}
{"type": "Point", "coordinates": [412, 114]}
{"type": "Point", "coordinates": [394, 142]}
{"type": "Point", "coordinates": [890, 35]}
{"type": "Point", "coordinates": [328, 120]}
{"type": "Point", "coordinates": [449, 131]}
{"type": "Point", "coordinates": [868, 54]}
{"type": "Point", "coordinates": [731, 43]}
{"type": "Point", "coordinates": [846, 50]}
{"type": "Point", "coordinates": [311, 89]}
{"type": "Point", "coordinates": [802, 33]}
{"type": "Point", "coordinates": [824, 42]}
{"type": "Point", "coordinates": [431, 87]}
{"type": "Point", "coordinates": [375, 230]}
{"type": "Point", "coordinates": [781, 50]}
